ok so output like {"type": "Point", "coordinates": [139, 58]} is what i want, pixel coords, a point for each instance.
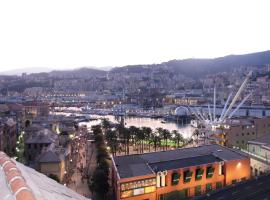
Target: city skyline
{"type": "Point", "coordinates": [65, 35]}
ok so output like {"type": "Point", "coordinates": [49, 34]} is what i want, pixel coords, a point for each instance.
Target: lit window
{"type": "Point", "coordinates": [149, 189]}
{"type": "Point", "coordinates": [127, 193]}
{"type": "Point", "coordinates": [138, 191]}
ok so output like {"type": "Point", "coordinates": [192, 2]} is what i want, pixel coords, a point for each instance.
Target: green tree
{"type": "Point", "coordinates": [147, 134]}
{"type": "Point", "coordinates": [99, 184]}
{"type": "Point", "coordinates": [134, 131]}
{"type": "Point", "coordinates": [177, 138]}
{"type": "Point", "coordinates": [155, 139]}
{"type": "Point", "coordinates": [111, 137]}
{"type": "Point", "coordinates": [165, 134]}
{"type": "Point", "coordinates": [105, 124]}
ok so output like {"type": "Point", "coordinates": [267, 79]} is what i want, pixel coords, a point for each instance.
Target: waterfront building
{"type": "Point", "coordinates": [237, 132]}
{"type": "Point", "coordinates": [177, 174]}
{"type": "Point", "coordinates": [35, 109]}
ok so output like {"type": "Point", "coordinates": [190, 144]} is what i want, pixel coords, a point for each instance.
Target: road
{"type": "Point", "coordinates": [78, 179]}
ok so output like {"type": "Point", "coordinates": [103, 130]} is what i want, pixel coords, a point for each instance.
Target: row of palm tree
{"type": "Point", "coordinates": [121, 137]}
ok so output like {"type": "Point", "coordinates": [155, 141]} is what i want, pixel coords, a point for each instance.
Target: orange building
{"type": "Point", "coordinates": [177, 174]}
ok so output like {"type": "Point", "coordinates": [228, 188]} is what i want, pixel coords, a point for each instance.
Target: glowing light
{"type": "Point", "coordinates": [238, 165]}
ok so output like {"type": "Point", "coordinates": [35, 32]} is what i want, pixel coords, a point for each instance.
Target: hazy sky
{"type": "Point", "coordinates": [68, 34]}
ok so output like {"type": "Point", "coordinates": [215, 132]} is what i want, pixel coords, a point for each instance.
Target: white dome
{"type": "Point", "coordinates": [181, 111]}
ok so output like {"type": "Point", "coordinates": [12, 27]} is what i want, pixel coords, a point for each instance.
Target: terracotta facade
{"type": "Point", "coordinates": [224, 173]}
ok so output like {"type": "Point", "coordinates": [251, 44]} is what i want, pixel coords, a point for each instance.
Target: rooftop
{"type": "Point", "coordinates": [264, 141]}
{"type": "Point", "coordinates": [18, 182]}
{"type": "Point", "coordinates": [146, 164]}
{"type": "Point", "coordinates": [44, 136]}
{"type": "Point", "coordinates": [49, 157]}
{"type": "Point", "coordinates": [184, 162]}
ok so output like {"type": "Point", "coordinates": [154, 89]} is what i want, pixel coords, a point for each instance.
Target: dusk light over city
{"type": "Point", "coordinates": [134, 100]}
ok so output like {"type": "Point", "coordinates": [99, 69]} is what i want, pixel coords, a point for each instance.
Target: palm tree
{"type": "Point", "coordinates": [155, 139]}
{"type": "Point", "coordinates": [111, 137]}
{"type": "Point", "coordinates": [159, 132]}
{"type": "Point", "coordinates": [177, 137]}
{"type": "Point", "coordinates": [105, 124]}
{"type": "Point", "coordinates": [147, 134]}
{"type": "Point", "coordinates": [127, 136]}
{"type": "Point", "coordinates": [121, 136]}
{"type": "Point", "coordinates": [139, 139]}
{"type": "Point", "coordinates": [133, 134]}
{"type": "Point", "coordinates": [196, 133]}
{"type": "Point", "coordinates": [165, 134]}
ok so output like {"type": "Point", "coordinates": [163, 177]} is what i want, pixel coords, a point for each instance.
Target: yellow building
{"type": "Point", "coordinates": [50, 163]}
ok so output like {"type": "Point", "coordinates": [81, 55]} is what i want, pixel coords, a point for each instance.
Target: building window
{"type": "Point", "coordinates": [237, 142]}
{"type": "Point", "coordinates": [187, 176]}
{"type": "Point", "coordinates": [218, 185]}
{"type": "Point", "coordinates": [199, 174]}
{"type": "Point", "coordinates": [138, 191]}
{"type": "Point", "coordinates": [127, 193]}
{"type": "Point", "coordinates": [253, 133]}
{"type": "Point", "coordinates": [243, 142]}
{"type": "Point", "coordinates": [149, 189]}
{"type": "Point", "coordinates": [198, 190]}
{"type": "Point", "coordinates": [210, 172]}
{"type": "Point", "coordinates": [243, 134]}
{"type": "Point", "coordinates": [208, 187]}
{"type": "Point", "coordinates": [177, 194]}
{"type": "Point", "coordinates": [35, 146]}
{"type": "Point", "coordinates": [247, 133]}
{"type": "Point", "coordinates": [175, 178]}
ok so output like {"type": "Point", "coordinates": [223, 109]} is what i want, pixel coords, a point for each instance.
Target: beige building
{"type": "Point", "coordinates": [237, 132]}
{"type": "Point", "coordinates": [52, 163]}
{"type": "Point", "coordinates": [259, 151]}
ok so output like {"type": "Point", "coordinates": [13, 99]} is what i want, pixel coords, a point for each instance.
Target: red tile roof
{"type": "Point", "coordinates": [15, 180]}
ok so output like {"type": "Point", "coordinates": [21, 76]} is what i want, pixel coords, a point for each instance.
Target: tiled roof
{"type": "Point", "coordinates": [18, 182]}
{"type": "Point", "coordinates": [44, 136]}
{"type": "Point", "coordinates": [48, 157]}
{"type": "Point", "coordinates": [185, 162]}
{"type": "Point", "coordinates": [14, 179]}
{"type": "Point", "coordinates": [264, 140]}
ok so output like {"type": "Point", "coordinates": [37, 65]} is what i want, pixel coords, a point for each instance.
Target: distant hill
{"type": "Point", "coordinates": [29, 70]}
{"type": "Point", "coordinates": [196, 67]}
{"type": "Point", "coordinates": [192, 67]}
{"type": "Point", "coordinates": [78, 73]}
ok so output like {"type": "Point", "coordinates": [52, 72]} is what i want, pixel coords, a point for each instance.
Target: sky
{"type": "Point", "coordinates": [64, 34]}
